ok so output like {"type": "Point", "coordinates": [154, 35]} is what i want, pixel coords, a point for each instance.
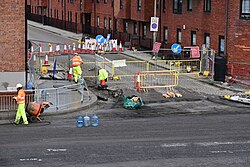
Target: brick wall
{"type": "Point", "coordinates": [12, 41]}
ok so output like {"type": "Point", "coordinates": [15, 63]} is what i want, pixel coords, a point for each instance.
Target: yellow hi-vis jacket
{"type": "Point", "coordinates": [76, 61]}
{"type": "Point", "coordinates": [21, 97]}
{"type": "Point", "coordinates": [103, 74]}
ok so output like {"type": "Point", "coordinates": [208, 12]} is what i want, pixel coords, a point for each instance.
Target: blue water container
{"type": "Point", "coordinates": [86, 120]}
{"type": "Point", "coordinates": [94, 120]}
{"type": "Point", "coordinates": [79, 121]}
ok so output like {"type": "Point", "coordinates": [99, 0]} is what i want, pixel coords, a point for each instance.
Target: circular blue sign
{"type": "Point", "coordinates": [154, 25]}
{"type": "Point", "coordinates": [176, 48]}
{"type": "Point", "coordinates": [100, 39]}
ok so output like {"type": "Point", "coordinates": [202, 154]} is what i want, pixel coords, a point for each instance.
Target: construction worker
{"type": "Point", "coordinates": [20, 98]}
{"type": "Point", "coordinates": [76, 63]}
{"type": "Point", "coordinates": [103, 77]}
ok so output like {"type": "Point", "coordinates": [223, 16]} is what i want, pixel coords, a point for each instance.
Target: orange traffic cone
{"type": "Point", "coordinates": [70, 74]}
{"type": "Point", "coordinates": [92, 51]}
{"type": "Point", "coordinates": [32, 49]}
{"type": "Point", "coordinates": [114, 47]}
{"type": "Point", "coordinates": [65, 50]}
{"type": "Point", "coordinates": [120, 46]}
{"type": "Point", "coordinates": [57, 49]}
{"type": "Point", "coordinates": [138, 82]}
{"type": "Point", "coordinates": [46, 59]}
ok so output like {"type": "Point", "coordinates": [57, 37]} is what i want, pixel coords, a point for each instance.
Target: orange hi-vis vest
{"type": "Point", "coordinates": [21, 97]}
{"type": "Point", "coordinates": [76, 61]}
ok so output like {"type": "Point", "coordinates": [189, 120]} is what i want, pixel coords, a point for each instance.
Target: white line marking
{"type": "Point", "coordinates": [31, 159]}
{"type": "Point", "coordinates": [174, 145]}
{"type": "Point", "coordinates": [57, 150]}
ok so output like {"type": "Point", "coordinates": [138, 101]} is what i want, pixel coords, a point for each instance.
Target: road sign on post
{"type": "Point", "coordinates": [195, 52]}
{"type": "Point", "coordinates": [156, 47]}
{"type": "Point", "coordinates": [176, 48]}
{"type": "Point", "coordinates": [154, 23]}
{"type": "Point", "coordinates": [100, 39]}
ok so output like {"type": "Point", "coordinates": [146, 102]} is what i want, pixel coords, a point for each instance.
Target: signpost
{"type": "Point", "coordinates": [176, 48]}
{"type": "Point", "coordinates": [156, 47]}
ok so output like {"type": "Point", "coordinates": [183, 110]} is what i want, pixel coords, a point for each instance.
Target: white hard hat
{"type": "Point", "coordinates": [75, 53]}
{"type": "Point", "coordinates": [19, 85]}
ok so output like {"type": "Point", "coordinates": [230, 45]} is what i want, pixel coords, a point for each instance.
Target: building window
{"type": "Point", "coordinates": [116, 25]}
{"type": "Point", "coordinates": [98, 21]}
{"type": "Point", "coordinates": [139, 5]}
{"type": "Point", "coordinates": [110, 23]}
{"type": "Point", "coordinates": [120, 4]}
{"type": "Point", "coordinates": [165, 34]}
{"type": "Point", "coordinates": [105, 1]}
{"type": "Point", "coordinates": [207, 40]}
{"type": "Point", "coordinates": [178, 35]}
{"type": "Point", "coordinates": [190, 5]}
{"type": "Point", "coordinates": [105, 22]}
{"type": "Point", "coordinates": [72, 1]}
{"type": "Point", "coordinates": [177, 6]}
{"type": "Point", "coordinates": [221, 45]}
{"type": "Point", "coordinates": [207, 5]}
{"type": "Point", "coordinates": [164, 6]}
{"type": "Point", "coordinates": [245, 9]}
{"type": "Point", "coordinates": [125, 26]}
{"type": "Point", "coordinates": [144, 30]}
{"type": "Point", "coordinates": [80, 4]}
{"type": "Point", "coordinates": [193, 38]}
{"type": "Point", "coordinates": [135, 28]}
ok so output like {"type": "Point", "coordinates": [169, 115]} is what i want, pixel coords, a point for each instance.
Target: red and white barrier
{"type": "Point", "coordinates": [74, 48]}
{"type": "Point", "coordinates": [120, 47]}
{"type": "Point", "coordinates": [65, 49]}
{"type": "Point", "coordinates": [46, 61]}
{"type": "Point", "coordinates": [83, 48]}
{"type": "Point", "coordinates": [50, 49]}
{"type": "Point", "coordinates": [70, 74]}
{"type": "Point", "coordinates": [40, 50]}
{"type": "Point", "coordinates": [57, 49]}
{"type": "Point", "coordinates": [79, 50]}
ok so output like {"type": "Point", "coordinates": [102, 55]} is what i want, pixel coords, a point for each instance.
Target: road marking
{"type": "Point", "coordinates": [31, 159]}
{"type": "Point", "coordinates": [175, 145]}
{"type": "Point", "coordinates": [57, 150]}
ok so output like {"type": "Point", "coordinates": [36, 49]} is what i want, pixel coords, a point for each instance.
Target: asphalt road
{"type": "Point", "coordinates": [173, 140]}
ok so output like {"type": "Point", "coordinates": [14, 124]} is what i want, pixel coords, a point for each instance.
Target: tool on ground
{"type": "Point", "coordinates": [34, 110]}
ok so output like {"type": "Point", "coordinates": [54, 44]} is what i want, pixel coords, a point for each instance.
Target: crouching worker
{"type": "Point", "coordinates": [20, 98]}
{"type": "Point", "coordinates": [103, 77]}
{"type": "Point", "coordinates": [77, 71]}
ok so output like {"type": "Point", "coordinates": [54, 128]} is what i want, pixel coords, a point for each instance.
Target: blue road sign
{"type": "Point", "coordinates": [176, 48]}
{"type": "Point", "coordinates": [100, 39]}
{"type": "Point", "coordinates": [108, 37]}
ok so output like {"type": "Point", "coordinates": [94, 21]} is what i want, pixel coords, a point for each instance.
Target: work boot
{"type": "Point", "coordinates": [26, 123]}
{"type": "Point", "coordinates": [16, 122]}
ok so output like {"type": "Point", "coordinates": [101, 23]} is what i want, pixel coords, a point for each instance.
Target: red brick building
{"type": "Point", "coordinates": [222, 25]}
{"type": "Point", "coordinates": [12, 43]}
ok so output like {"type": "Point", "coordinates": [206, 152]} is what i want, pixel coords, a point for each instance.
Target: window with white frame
{"type": "Point", "coordinates": [207, 5]}
{"type": "Point", "coordinates": [177, 6]}
{"type": "Point", "coordinates": [105, 22]}
{"type": "Point", "coordinates": [245, 9]}
{"type": "Point", "coordinates": [221, 45]}
{"type": "Point", "coordinates": [110, 23]}
{"type": "Point", "coordinates": [138, 4]}
{"type": "Point", "coordinates": [190, 5]}
{"type": "Point", "coordinates": [135, 28]}
{"type": "Point", "coordinates": [165, 34]}
{"type": "Point", "coordinates": [193, 38]}
{"type": "Point", "coordinates": [98, 21]}
{"type": "Point", "coordinates": [126, 26]}
{"type": "Point", "coordinates": [178, 35]}
{"type": "Point", "coordinates": [207, 40]}
{"type": "Point", "coordinates": [144, 30]}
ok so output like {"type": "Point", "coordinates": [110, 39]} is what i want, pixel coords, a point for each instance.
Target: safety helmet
{"type": "Point", "coordinates": [75, 53]}
{"type": "Point", "coordinates": [19, 85]}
